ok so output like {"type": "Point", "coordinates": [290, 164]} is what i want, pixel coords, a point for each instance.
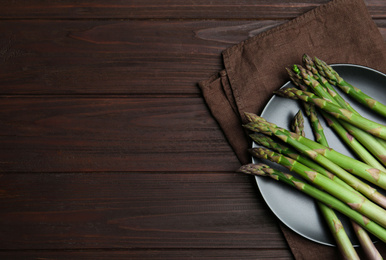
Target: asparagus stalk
{"type": "Point", "coordinates": [373, 144]}
{"type": "Point", "coordinates": [324, 90]}
{"type": "Point", "coordinates": [353, 143]}
{"type": "Point", "coordinates": [327, 199]}
{"type": "Point", "coordinates": [352, 91]}
{"type": "Point", "coordinates": [353, 199]}
{"type": "Point", "coordinates": [374, 175]}
{"type": "Point", "coordinates": [315, 123]}
{"type": "Point", "coordinates": [320, 138]}
{"type": "Point", "coordinates": [356, 167]}
{"type": "Point", "coordinates": [363, 237]}
{"type": "Point", "coordinates": [359, 121]}
{"type": "Point", "coordinates": [293, 140]}
{"type": "Point", "coordinates": [367, 244]}
{"type": "Point", "coordinates": [333, 222]}
{"type": "Point", "coordinates": [271, 144]}
{"type": "Point", "coordinates": [311, 66]}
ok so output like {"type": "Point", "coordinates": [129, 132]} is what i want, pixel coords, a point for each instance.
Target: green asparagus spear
{"type": "Point", "coordinates": [357, 167]}
{"type": "Point", "coordinates": [274, 145]}
{"type": "Point", "coordinates": [327, 199]}
{"type": "Point", "coordinates": [355, 145]}
{"type": "Point", "coordinates": [333, 222]}
{"type": "Point", "coordinates": [324, 90]}
{"type": "Point", "coordinates": [311, 66]}
{"type": "Point", "coordinates": [353, 199]}
{"type": "Point", "coordinates": [315, 123]}
{"type": "Point", "coordinates": [346, 249]}
{"type": "Point", "coordinates": [359, 121]}
{"type": "Point", "coordinates": [297, 124]}
{"type": "Point", "coordinates": [367, 244]}
{"type": "Point", "coordinates": [287, 151]}
{"type": "Point", "coordinates": [346, 87]}
{"type": "Point", "coordinates": [352, 165]}
{"type": "Point", "coordinates": [294, 140]}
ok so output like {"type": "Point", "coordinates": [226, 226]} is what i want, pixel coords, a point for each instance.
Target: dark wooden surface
{"type": "Point", "coordinates": [107, 149]}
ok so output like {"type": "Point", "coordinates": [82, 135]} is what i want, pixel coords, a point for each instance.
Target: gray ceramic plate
{"type": "Point", "coordinates": [294, 209]}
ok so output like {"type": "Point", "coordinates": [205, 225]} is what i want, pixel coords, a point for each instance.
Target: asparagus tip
{"type": "Point", "coordinates": [253, 169]}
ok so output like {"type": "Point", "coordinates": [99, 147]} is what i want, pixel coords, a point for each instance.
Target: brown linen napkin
{"type": "Point", "coordinates": [340, 31]}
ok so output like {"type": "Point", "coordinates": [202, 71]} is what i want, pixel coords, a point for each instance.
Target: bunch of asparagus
{"type": "Point", "coordinates": [338, 182]}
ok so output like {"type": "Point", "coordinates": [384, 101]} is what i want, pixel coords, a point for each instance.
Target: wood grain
{"type": "Point", "coordinates": [174, 9]}
{"type": "Point", "coordinates": [134, 210]}
{"type": "Point", "coordinates": [151, 254]}
{"type": "Point", "coordinates": [107, 149]}
{"type": "Point", "coordinates": [110, 134]}
{"type": "Point", "coordinates": [89, 57]}
{"type": "Point", "coordinates": [157, 57]}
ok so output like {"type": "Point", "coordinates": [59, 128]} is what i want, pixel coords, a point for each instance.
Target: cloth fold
{"type": "Point", "coordinates": [341, 31]}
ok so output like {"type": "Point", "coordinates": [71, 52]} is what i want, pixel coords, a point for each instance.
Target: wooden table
{"type": "Point", "coordinates": [107, 149]}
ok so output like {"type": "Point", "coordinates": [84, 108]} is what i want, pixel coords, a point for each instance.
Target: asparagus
{"type": "Point", "coordinates": [333, 222]}
{"type": "Point", "coordinates": [356, 167]}
{"type": "Point", "coordinates": [271, 144]}
{"type": "Point", "coordinates": [324, 82]}
{"type": "Point", "coordinates": [297, 124]}
{"type": "Point", "coordinates": [376, 176]}
{"type": "Point", "coordinates": [346, 87]}
{"type": "Point", "coordinates": [367, 244]}
{"type": "Point", "coordinates": [371, 143]}
{"type": "Point", "coordinates": [353, 199]}
{"type": "Point", "coordinates": [293, 140]}
{"type": "Point", "coordinates": [311, 66]}
{"type": "Point", "coordinates": [359, 121]}
{"type": "Point", "coordinates": [374, 145]}
{"type": "Point", "coordinates": [326, 91]}
{"type": "Point", "coordinates": [363, 237]}
{"type": "Point", "coordinates": [315, 123]}
{"type": "Point", "coordinates": [327, 199]}
{"type": "Point", "coordinates": [355, 145]}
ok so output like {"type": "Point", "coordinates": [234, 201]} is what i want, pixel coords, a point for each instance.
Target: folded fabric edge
{"type": "Point", "coordinates": [226, 117]}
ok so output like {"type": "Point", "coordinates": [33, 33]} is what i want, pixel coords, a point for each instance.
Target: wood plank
{"type": "Point", "coordinates": [105, 57]}
{"type": "Point", "coordinates": [135, 210]}
{"type": "Point", "coordinates": [117, 57]}
{"type": "Point", "coordinates": [152, 254]}
{"type": "Point", "coordinates": [49, 134]}
{"type": "Point", "coordinates": [199, 9]}
{"type": "Point", "coordinates": [382, 27]}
